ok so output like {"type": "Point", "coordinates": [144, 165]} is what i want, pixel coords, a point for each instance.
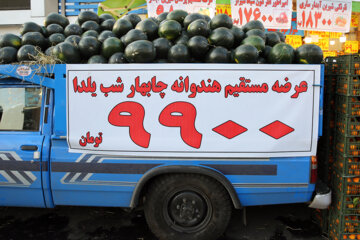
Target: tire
{"type": "Point", "coordinates": [187, 206]}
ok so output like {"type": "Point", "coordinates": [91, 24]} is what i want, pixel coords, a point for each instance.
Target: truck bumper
{"type": "Point", "coordinates": [322, 199]}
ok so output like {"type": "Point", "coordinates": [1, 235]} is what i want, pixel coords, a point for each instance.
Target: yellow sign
{"type": "Point", "coordinates": [329, 54]}
{"type": "Point", "coordinates": [354, 21]}
{"type": "Point", "coordinates": [351, 47]}
{"type": "Point", "coordinates": [326, 34]}
{"type": "Point", "coordinates": [320, 34]}
{"type": "Point", "coordinates": [223, 8]}
{"type": "Point", "coordinates": [335, 34]}
{"type": "Point", "coordinates": [323, 43]}
{"type": "Point", "coordinates": [294, 40]}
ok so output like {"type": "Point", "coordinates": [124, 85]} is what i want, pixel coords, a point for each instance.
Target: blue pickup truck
{"type": "Point", "coordinates": [184, 197]}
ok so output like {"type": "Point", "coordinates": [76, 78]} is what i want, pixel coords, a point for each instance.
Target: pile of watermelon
{"type": "Point", "coordinates": [175, 37]}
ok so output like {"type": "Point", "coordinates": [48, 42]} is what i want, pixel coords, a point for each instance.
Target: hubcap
{"type": "Point", "coordinates": [187, 209]}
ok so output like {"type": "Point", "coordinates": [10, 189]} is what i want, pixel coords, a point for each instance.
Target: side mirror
{"type": "Point", "coordinates": [1, 112]}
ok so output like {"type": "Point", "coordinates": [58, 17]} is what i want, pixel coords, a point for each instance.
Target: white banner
{"type": "Point", "coordinates": [206, 7]}
{"type": "Point", "coordinates": [197, 110]}
{"type": "Point", "coordinates": [324, 15]}
{"type": "Point", "coordinates": [274, 14]}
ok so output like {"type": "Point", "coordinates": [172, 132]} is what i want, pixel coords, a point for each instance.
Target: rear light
{"type": "Point", "coordinates": [313, 172]}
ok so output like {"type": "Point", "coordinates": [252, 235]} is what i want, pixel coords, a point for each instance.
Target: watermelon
{"type": "Point", "coordinates": [281, 35]}
{"type": "Point", "coordinates": [192, 17]}
{"type": "Point", "coordinates": [198, 27]}
{"type": "Point", "coordinates": [121, 27]}
{"type": "Point", "coordinates": [183, 39]}
{"type": "Point", "coordinates": [162, 17]}
{"type": "Point", "coordinates": [110, 46]}
{"type": "Point", "coordinates": [170, 29]}
{"type": "Point", "coordinates": [49, 51]}
{"type": "Point", "coordinates": [265, 53]}
{"type": "Point", "coordinates": [30, 27]}
{"type": "Point", "coordinates": [272, 38]}
{"type": "Point", "coordinates": [239, 35]}
{"type": "Point", "coordinates": [89, 46]}
{"type": "Point", "coordinates": [177, 15]}
{"type": "Point", "coordinates": [34, 38]}
{"type": "Point", "coordinates": [162, 47]}
{"type": "Point", "coordinates": [10, 40]}
{"type": "Point", "coordinates": [149, 27]}
{"type": "Point", "coordinates": [253, 24]}
{"type": "Point", "coordinates": [105, 16]}
{"type": "Point", "coordinates": [132, 18]}
{"type": "Point", "coordinates": [73, 29]}
{"type": "Point", "coordinates": [198, 46]}
{"type": "Point", "coordinates": [256, 32]}
{"type": "Point", "coordinates": [217, 55]}
{"type": "Point", "coordinates": [27, 53]}
{"type": "Point", "coordinates": [222, 37]}
{"type": "Point", "coordinates": [74, 40]}
{"type": "Point", "coordinates": [134, 35]}
{"type": "Point", "coordinates": [90, 33]}
{"type": "Point", "coordinates": [161, 61]}
{"type": "Point", "coordinates": [66, 53]}
{"type": "Point", "coordinates": [255, 41]}
{"type": "Point", "coordinates": [281, 53]}
{"type": "Point", "coordinates": [97, 59]}
{"type": "Point", "coordinates": [154, 20]}
{"type": "Point", "coordinates": [85, 16]}
{"type": "Point", "coordinates": [105, 35]}
{"type": "Point", "coordinates": [246, 54]}
{"type": "Point", "coordinates": [56, 18]}
{"type": "Point", "coordinates": [309, 54]}
{"type": "Point", "coordinates": [107, 24]}
{"type": "Point", "coordinates": [54, 28]}
{"type": "Point", "coordinates": [7, 55]}
{"type": "Point", "coordinates": [44, 31]}
{"type": "Point", "coordinates": [179, 53]}
{"type": "Point", "coordinates": [221, 20]}
{"type": "Point", "coordinates": [56, 38]}
{"type": "Point", "coordinates": [118, 57]}
{"type": "Point", "coordinates": [90, 25]}
{"type": "Point", "coordinates": [207, 18]}
{"type": "Point", "coordinates": [261, 60]}
{"type": "Point", "coordinates": [141, 51]}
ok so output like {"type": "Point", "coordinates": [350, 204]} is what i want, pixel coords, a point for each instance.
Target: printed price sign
{"type": "Point", "coordinates": [323, 43]}
{"type": "Point", "coordinates": [329, 54]}
{"type": "Point", "coordinates": [354, 21]}
{"type": "Point", "coordinates": [223, 8]}
{"type": "Point", "coordinates": [294, 40]}
{"type": "Point", "coordinates": [324, 15]}
{"type": "Point", "coordinates": [320, 34]}
{"type": "Point", "coordinates": [351, 47]}
{"type": "Point", "coordinates": [274, 14]}
{"type": "Point", "coordinates": [156, 7]}
{"type": "Point", "coordinates": [200, 110]}
{"type": "Point", "coordinates": [335, 34]}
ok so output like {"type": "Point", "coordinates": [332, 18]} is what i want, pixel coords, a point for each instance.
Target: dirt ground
{"type": "Point", "coordinates": [280, 222]}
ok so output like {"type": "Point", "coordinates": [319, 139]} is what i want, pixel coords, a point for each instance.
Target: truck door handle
{"type": "Point", "coordinates": [29, 147]}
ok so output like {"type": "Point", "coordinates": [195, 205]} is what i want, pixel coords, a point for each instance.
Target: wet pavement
{"type": "Point", "coordinates": [278, 222]}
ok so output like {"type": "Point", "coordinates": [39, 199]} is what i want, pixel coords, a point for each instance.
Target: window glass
{"type": "Point", "coordinates": [14, 4]}
{"type": "Point", "coordinates": [20, 109]}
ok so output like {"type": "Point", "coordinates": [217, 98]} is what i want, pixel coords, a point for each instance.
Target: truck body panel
{"type": "Point", "coordinates": [61, 177]}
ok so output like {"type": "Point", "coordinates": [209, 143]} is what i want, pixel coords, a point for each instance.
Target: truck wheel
{"type": "Point", "coordinates": [187, 206]}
